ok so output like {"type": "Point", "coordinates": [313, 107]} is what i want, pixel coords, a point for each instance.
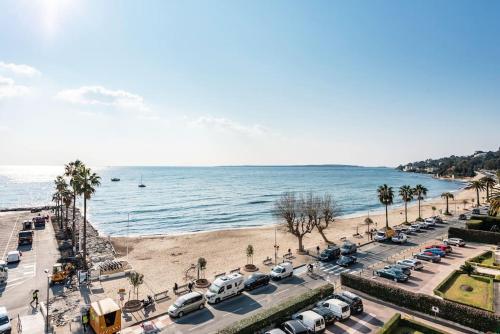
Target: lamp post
{"type": "Point", "coordinates": [128, 226]}
{"type": "Point", "coordinates": [276, 248]}
{"type": "Point", "coordinates": [47, 306]}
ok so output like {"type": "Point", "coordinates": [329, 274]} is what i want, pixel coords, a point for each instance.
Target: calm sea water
{"type": "Point", "coordinates": [186, 199]}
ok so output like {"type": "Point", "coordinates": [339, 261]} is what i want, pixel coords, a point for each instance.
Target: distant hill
{"type": "Point", "coordinates": [456, 166]}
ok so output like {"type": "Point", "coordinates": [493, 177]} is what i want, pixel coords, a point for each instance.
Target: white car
{"type": "Point", "coordinates": [430, 222]}
{"type": "Point", "coordinates": [380, 236]}
{"type": "Point", "coordinates": [281, 271]}
{"type": "Point", "coordinates": [401, 238]}
{"type": "Point", "coordinates": [13, 256]}
{"type": "Point", "coordinates": [454, 241]}
{"type": "Point", "coordinates": [415, 226]}
{"type": "Point", "coordinates": [414, 264]}
{"type": "Point", "coordinates": [5, 325]}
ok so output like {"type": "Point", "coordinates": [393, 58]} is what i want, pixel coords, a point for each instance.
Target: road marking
{"type": "Point", "coordinates": [285, 290]}
{"type": "Point", "coordinates": [11, 233]}
{"type": "Point", "coordinates": [200, 325]}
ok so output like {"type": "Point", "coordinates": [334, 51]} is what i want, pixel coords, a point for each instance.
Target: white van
{"type": "Point", "coordinates": [5, 325]}
{"type": "Point", "coordinates": [282, 270]}
{"type": "Point", "coordinates": [341, 310]}
{"type": "Point", "coordinates": [13, 256]}
{"type": "Point", "coordinates": [312, 320]}
{"type": "Point", "coordinates": [225, 287]}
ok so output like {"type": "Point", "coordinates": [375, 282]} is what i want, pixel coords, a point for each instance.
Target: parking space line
{"type": "Point", "coordinates": [11, 233]}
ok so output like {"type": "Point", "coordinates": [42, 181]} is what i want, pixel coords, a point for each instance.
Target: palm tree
{"type": "Point", "coordinates": [447, 196]}
{"type": "Point", "coordinates": [489, 183]}
{"type": "Point", "coordinates": [87, 181]}
{"type": "Point", "coordinates": [421, 192]}
{"type": "Point", "coordinates": [71, 170]}
{"type": "Point", "coordinates": [406, 193]}
{"type": "Point", "coordinates": [61, 186]}
{"type": "Point", "coordinates": [67, 198]}
{"type": "Point", "coordinates": [136, 279]}
{"type": "Point", "coordinates": [477, 185]}
{"type": "Point", "coordinates": [385, 196]}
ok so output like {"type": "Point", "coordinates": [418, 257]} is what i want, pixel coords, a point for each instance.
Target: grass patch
{"type": "Point", "coordinates": [485, 259]}
{"type": "Point", "coordinates": [481, 296]}
{"type": "Point", "coordinates": [399, 325]}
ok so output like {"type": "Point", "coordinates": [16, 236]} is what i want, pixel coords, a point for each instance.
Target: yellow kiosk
{"type": "Point", "coordinates": [105, 317]}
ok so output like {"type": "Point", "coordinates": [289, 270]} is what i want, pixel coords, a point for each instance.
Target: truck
{"type": "Point", "coordinates": [25, 237]}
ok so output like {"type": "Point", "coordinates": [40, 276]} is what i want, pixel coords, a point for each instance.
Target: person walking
{"type": "Point", "coordinates": [176, 287]}
{"type": "Point", "coordinates": [190, 286]}
{"type": "Point", "coordinates": [85, 321]}
{"type": "Point", "coordinates": [35, 298]}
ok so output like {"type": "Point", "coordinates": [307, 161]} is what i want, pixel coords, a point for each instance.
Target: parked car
{"type": "Point", "coordinates": [281, 271]}
{"type": "Point", "coordinates": [411, 229]}
{"type": "Point", "coordinates": [430, 222]}
{"type": "Point", "coordinates": [13, 256]}
{"type": "Point", "coordinates": [438, 220]}
{"type": "Point", "coordinates": [444, 248]}
{"type": "Point", "coordinates": [400, 238]}
{"type": "Point", "coordinates": [396, 276]}
{"type": "Point", "coordinates": [5, 325]}
{"type": "Point", "coordinates": [275, 331]}
{"type": "Point", "coordinates": [354, 301]}
{"type": "Point", "coordinates": [295, 327]}
{"type": "Point", "coordinates": [436, 251]}
{"type": "Point", "coordinates": [462, 217]}
{"type": "Point", "coordinates": [427, 256]}
{"type": "Point", "coordinates": [380, 236]}
{"type": "Point", "coordinates": [326, 313]}
{"type": "Point", "coordinates": [346, 260]}
{"type": "Point", "coordinates": [348, 248]}
{"type": "Point", "coordinates": [415, 226]}
{"type": "Point", "coordinates": [454, 241]}
{"type": "Point", "coordinates": [312, 320]}
{"type": "Point", "coordinates": [414, 264]}
{"type": "Point", "coordinates": [476, 211]}
{"type": "Point", "coordinates": [225, 287]}
{"type": "Point", "coordinates": [329, 254]}
{"type": "Point", "coordinates": [341, 309]}
{"type": "Point", "coordinates": [398, 267]}
{"type": "Point", "coordinates": [187, 303]}
{"type": "Point", "coordinates": [256, 280]}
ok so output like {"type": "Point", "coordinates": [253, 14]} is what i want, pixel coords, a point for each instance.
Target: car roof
{"type": "Point", "coordinates": [3, 310]}
{"type": "Point", "coordinates": [311, 314]}
{"type": "Point", "coordinates": [275, 331]}
{"type": "Point", "coordinates": [337, 302]}
{"type": "Point", "coordinates": [187, 296]}
{"type": "Point", "coordinates": [349, 294]}
{"type": "Point", "coordinates": [296, 324]}
{"type": "Point", "coordinates": [13, 252]}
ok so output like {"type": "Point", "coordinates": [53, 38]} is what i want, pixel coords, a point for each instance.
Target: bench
{"type": "Point", "coordinates": [181, 289]}
{"type": "Point", "coordinates": [267, 261]}
{"type": "Point", "coordinates": [220, 275]}
{"type": "Point", "coordinates": [236, 270]}
{"type": "Point", "coordinates": [288, 256]}
{"type": "Point", "coordinates": [161, 296]}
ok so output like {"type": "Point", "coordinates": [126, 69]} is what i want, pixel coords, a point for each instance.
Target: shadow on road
{"type": "Point", "coordinates": [291, 280]}
{"type": "Point", "coordinates": [240, 305]}
{"type": "Point", "coordinates": [263, 290]}
{"type": "Point", "coordinates": [195, 318]}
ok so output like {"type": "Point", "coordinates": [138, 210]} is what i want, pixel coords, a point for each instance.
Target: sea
{"type": "Point", "coordinates": [191, 199]}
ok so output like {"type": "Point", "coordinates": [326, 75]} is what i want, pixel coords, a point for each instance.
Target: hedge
{"type": "Point", "coordinates": [462, 314]}
{"type": "Point", "coordinates": [484, 223]}
{"type": "Point", "coordinates": [474, 235]}
{"type": "Point", "coordinates": [279, 313]}
{"type": "Point", "coordinates": [391, 324]}
{"type": "Point", "coordinates": [477, 260]}
{"type": "Point", "coordinates": [445, 284]}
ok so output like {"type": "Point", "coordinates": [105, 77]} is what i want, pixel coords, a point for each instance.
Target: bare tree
{"type": "Point", "coordinates": [296, 214]}
{"type": "Point", "coordinates": [328, 211]}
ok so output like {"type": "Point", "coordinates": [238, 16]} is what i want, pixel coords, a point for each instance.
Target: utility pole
{"type": "Point", "coordinates": [276, 247]}
{"type": "Point", "coordinates": [128, 226]}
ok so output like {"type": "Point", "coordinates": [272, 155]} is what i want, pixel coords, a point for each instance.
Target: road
{"type": "Point", "coordinates": [28, 274]}
{"type": "Point", "coordinates": [215, 317]}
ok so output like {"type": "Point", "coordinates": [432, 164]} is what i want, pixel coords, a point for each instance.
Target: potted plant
{"type": "Point", "coordinates": [201, 281]}
{"type": "Point", "coordinates": [135, 279]}
{"type": "Point", "coordinates": [250, 266]}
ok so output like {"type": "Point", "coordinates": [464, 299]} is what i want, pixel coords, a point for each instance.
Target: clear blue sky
{"type": "Point", "coordinates": [259, 82]}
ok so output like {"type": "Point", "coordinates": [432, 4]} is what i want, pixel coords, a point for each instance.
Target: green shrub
{"type": "Point", "coordinates": [462, 314]}
{"type": "Point", "coordinates": [484, 223]}
{"type": "Point", "coordinates": [418, 326]}
{"type": "Point", "coordinates": [474, 235]}
{"type": "Point", "coordinates": [391, 324]}
{"type": "Point", "coordinates": [279, 313]}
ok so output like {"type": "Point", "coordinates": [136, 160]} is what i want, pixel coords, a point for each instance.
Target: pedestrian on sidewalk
{"type": "Point", "coordinates": [190, 286]}
{"type": "Point", "coordinates": [317, 250]}
{"type": "Point", "coordinates": [85, 321]}
{"type": "Point", "coordinates": [176, 287]}
{"type": "Point", "coordinates": [35, 298]}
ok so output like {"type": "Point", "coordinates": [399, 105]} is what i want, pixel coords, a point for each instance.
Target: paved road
{"type": "Point", "coordinates": [215, 317]}
{"type": "Point", "coordinates": [28, 274]}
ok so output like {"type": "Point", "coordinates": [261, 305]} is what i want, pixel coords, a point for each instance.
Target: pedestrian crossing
{"type": "Point", "coordinates": [335, 269]}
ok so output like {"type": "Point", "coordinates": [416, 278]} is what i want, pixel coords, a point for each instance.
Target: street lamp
{"type": "Point", "coordinates": [47, 306]}
{"type": "Point", "coordinates": [276, 248]}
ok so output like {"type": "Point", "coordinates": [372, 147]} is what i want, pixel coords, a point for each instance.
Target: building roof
{"type": "Point", "coordinates": [104, 306]}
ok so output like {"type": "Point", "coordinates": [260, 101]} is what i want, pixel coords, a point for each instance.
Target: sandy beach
{"type": "Point", "coordinates": [164, 259]}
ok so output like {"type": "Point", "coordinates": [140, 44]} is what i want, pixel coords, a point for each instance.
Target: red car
{"type": "Point", "coordinates": [444, 248]}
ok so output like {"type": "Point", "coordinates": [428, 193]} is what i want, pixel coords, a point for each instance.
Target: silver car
{"type": "Point", "coordinates": [188, 303]}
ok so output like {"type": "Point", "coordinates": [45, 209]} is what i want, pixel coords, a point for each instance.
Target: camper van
{"type": "Point", "coordinates": [313, 321]}
{"type": "Point", "coordinates": [225, 287]}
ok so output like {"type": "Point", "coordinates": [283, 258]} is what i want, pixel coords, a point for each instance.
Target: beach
{"type": "Point", "coordinates": [164, 259]}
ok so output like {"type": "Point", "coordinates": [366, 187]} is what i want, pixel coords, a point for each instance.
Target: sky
{"type": "Point", "coordinates": [183, 83]}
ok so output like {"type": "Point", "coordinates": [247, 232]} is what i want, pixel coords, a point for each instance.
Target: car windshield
{"type": "Point", "coordinates": [4, 320]}
{"type": "Point", "coordinates": [214, 288]}
{"type": "Point", "coordinates": [278, 269]}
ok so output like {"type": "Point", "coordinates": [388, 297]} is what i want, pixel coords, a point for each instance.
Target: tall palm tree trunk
{"type": "Point", "coordinates": [487, 193]}
{"type": "Point", "coordinates": [419, 215]}
{"type": "Point", "coordinates": [447, 211]}
{"type": "Point", "coordinates": [477, 195]}
{"type": "Point", "coordinates": [386, 217]}
{"type": "Point", "coordinates": [66, 220]}
{"type": "Point", "coordinates": [84, 232]}
{"type": "Point", "coordinates": [406, 212]}
{"type": "Point", "coordinates": [73, 237]}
